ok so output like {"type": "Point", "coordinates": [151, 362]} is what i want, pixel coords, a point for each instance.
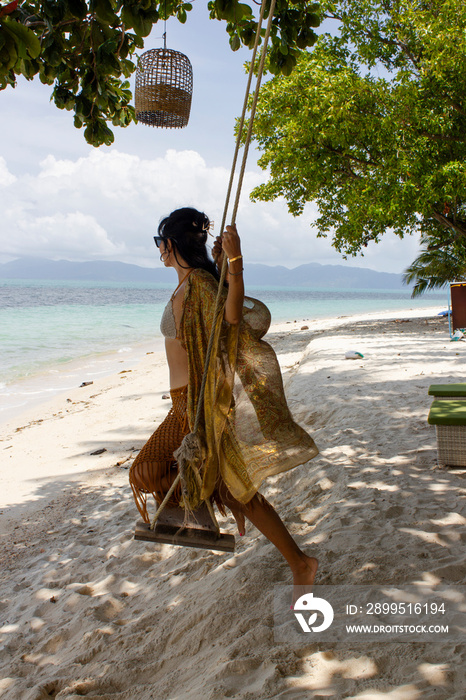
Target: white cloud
{"type": "Point", "coordinates": [71, 234]}
{"type": "Point", "coordinates": [107, 205]}
{"type": "Point", "coordinates": [6, 178]}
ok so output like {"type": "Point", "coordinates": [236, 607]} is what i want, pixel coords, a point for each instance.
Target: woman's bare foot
{"type": "Point", "coordinates": [304, 574]}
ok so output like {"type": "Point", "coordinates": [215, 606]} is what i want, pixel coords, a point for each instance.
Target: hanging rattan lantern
{"type": "Point", "coordinates": [164, 87]}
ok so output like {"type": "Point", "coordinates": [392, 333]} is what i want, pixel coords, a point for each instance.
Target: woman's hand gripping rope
{"type": "Point", "coordinates": [228, 242]}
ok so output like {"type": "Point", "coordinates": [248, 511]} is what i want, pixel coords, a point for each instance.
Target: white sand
{"type": "Point", "coordinates": [88, 611]}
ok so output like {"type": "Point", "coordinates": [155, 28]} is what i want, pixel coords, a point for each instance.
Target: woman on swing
{"type": "Point", "coordinates": [247, 432]}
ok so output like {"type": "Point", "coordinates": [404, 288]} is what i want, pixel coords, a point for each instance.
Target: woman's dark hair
{"type": "Point", "coordinates": [188, 229]}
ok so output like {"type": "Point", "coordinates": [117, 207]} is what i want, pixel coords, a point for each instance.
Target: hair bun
{"type": "Point", "coordinates": [202, 226]}
{"type": "Point", "coordinates": [206, 224]}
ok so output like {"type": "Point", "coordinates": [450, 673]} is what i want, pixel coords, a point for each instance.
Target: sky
{"type": "Point", "coordinates": [63, 199]}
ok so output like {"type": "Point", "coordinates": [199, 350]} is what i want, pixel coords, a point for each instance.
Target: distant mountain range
{"type": "Point", "coordinates": [311, 275]}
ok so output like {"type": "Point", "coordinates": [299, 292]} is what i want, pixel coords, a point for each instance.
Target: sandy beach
{"type": "Point", "coordinates": [87, 611]}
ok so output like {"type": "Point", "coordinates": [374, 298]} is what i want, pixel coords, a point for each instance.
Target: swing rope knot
{"type": "Point", "coordinates": [189, 457]}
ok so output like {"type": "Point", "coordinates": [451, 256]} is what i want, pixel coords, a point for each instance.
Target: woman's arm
{"type": "Point", "coordinates": [229, 244]}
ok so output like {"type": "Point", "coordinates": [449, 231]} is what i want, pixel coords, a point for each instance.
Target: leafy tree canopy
{"type": "Point", "coordinates": [371, 125]}
{"type": "Point", "coordinates": [84, 48]}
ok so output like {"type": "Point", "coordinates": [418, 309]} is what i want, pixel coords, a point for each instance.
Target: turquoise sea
{"type": "Point", "coordinates": [46, 327]}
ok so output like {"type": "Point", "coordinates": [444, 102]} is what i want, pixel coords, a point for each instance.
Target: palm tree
{"type": "Point", "coordinates": [436, 266]}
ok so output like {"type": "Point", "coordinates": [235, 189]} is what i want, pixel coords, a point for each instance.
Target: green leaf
{"type": "Point", "coordinates": [127, 17]}
{"type": "Point", "coordinates": [283, 48]}
{"type": "Point", "coordinates": [78, 8]}
{"type": "Point", "coordinates": [23, 36]}
{"type": "Point", "coordinates": [243, 12]}
{"type": "Point", "coordinates": [53, 53]}
{"type": "Point", "coordinates": [8, 53]}
{"type": "Point", "coordinates": [47, 74]}
{"type": "Point", "coordinates": [97, 133]}
{"type": "Point", "coordinates": [97, 34]}
{"type": "Point", "coordinates": [142, 24]}
{"type": "Point", "coordinates": [104, 11]}
{"type": "Point", "coordinates": [28, 68]}
{"type": "Point", "coordinates": [235, 42]}
{"type": "Point", "coordinates": [312, 20]}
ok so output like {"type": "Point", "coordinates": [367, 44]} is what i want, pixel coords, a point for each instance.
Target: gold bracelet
{"type": "Point", "coordinates": [238, 257]}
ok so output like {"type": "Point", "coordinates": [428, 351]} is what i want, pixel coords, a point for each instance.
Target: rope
{"type": "Point", "coordinates": [185, 455]}
{"type": "Point", "coordinates": [243, 114]}
{"type": "Point", "coordinates": [240, 184]}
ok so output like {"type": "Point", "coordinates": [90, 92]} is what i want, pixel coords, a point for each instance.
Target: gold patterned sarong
{"type": "Point", "coordinates": [247, 431]}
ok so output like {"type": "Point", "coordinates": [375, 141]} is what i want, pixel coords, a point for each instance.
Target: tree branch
{"type": "Point", "coordinates": [122, 40]}
{"type": "Point", "coordinates": [458, 226]}
{"type": "Point", "coordinates": [439, 137]}
{"type": "Point", "coordinates": [439, 246]}
{"type": "Point", "coordinates": [348, 156]}
{"type": "Point", "coordinates": [348, 171]}
{"type": "Point", "coordinates": [383, 39]}
{"type": "Point", "coordinates": [457, 108]}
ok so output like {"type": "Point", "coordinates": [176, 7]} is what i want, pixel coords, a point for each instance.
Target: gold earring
{"type": "Point", "coordinates": [164, 255]}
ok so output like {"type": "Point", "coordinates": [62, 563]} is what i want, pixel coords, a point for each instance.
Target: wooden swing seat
{"type": "Point", "coordinates": [198, 531]}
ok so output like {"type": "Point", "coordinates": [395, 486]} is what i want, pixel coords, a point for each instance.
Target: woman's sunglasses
{"type": "Point", "coordinates": [158, 240]}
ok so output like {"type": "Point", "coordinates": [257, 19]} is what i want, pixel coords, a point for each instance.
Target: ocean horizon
{"type": "Point", "coordinates": [51, 330]}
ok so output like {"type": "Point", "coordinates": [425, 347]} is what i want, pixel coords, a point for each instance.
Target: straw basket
{"type": "Point", "coordinates": [164, 87]}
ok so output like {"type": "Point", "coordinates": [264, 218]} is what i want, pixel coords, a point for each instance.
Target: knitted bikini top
{"type": "Point", "coordinates": [167, 322]}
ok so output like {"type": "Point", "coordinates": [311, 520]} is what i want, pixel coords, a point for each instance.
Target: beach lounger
{"type": "Point", "coordinates": [447, 391]}
{"type": "Point", "coordinates": [449, 418]}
